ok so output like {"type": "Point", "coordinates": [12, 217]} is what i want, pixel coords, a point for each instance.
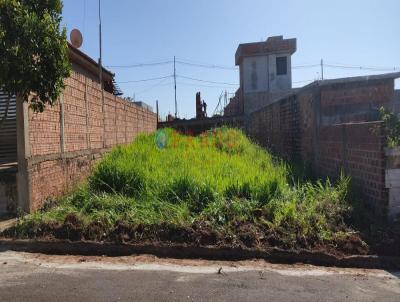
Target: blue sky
{"type": "Point", "coordinates": [349, 33]}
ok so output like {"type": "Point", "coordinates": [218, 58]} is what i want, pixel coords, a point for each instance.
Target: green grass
{"type": "Point", "coordinates": [219, 179]}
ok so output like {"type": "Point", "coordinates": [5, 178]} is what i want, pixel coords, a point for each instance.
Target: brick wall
{"type": "Point", "coordinates": [360, 101]}
{"type": "Point", "coordinates": [331, 128]}
{"type": "Point", "coordinates": [275, 127]}
{"type": "Point", "coordinates": [358, 150]}
{"type": "Point", "coordinates": [67, 138]}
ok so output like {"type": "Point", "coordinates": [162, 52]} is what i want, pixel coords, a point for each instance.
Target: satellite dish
{"type": "Point", "coordinates": [76, 38]}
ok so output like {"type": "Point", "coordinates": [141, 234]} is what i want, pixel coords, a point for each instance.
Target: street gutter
{"type": "Point", "coordinates": [181, 251]}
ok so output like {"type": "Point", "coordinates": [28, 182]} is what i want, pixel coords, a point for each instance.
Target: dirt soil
{"type": "Point", "coordinates": [199, 234]}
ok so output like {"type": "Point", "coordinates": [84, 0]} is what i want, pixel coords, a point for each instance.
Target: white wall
{"type": "Point", "coordinates": [255, 74]}
{"type": "Point", "coordinates": [255, 66]}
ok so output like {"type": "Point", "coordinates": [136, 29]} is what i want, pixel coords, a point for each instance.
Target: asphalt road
{"type": "Point", "coordinates": [37, 277]}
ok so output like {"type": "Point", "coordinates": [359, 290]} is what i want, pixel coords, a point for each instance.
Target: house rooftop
{"type": "Point", "coordinates": [83, 63]}
{"type": "Point", "coordinates": [276, 44]}
{"type": "Point", "coordinates": [330, 82]}
{"type": "Point", "coordinates": [384, 76]}
{"type": "Point", "coordinates": [78, 57]}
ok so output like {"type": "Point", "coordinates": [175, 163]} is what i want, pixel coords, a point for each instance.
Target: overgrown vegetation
{"type": "Point", "coordinates": [34, 52]}
{"type": "Point", "coordinates": [392, 127]}
{"type": "Point", "coordinates": [214, 189]}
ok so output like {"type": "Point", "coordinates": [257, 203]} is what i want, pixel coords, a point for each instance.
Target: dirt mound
{"type": "Point", "coordinates": [200, 233]}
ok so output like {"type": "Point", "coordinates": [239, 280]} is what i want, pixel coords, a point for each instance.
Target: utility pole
{"type": "Point", "coordinates": [226, 99]}
{"type": "Point", "coordinates": [101, 76]}
{"type": "Point", "coordinates": [100, 47]}
{"type": "Point", "coordinates": [176, 104]}
{"type": "Point", "coordinates": [322, 69]}
{"type": "Point", "coordinates": [158, 115]}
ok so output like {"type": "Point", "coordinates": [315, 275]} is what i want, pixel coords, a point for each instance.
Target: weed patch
{"type": "Point", "coordinates": [214, 189]}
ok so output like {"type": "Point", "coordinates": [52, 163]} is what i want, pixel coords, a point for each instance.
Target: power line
{"type": "Point", "coordinates": [360, 67]}
{"type": "Point", "coordinates": [145, 80]}
{"type": "Point", "coordinates": [140, 65]}
{"type": "Point", "coordinates": [222, 67]}
{"type": "Point", "coordinates": [202, 85]}
{"type": "Point", "coordinates": [206, 65]}
{"type": "Point", "coordinates": [159, 84]}
{"type": "Point", "coordinates": [305, 66]}
{"type": "Point", "coordinates": [206, 81]}
{"type": "Point", "coordinates": [177, 76]}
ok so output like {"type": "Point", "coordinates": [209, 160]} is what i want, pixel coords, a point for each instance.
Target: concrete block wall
{"type": "Point", "coordinates": [275, 127]}
{"type": "Point", "coordinates": [349, 102]}
{"type": "Point", "coordinates": [65, 140]}
{"type": "Point", "coordinates": [314, 126]}
{"type": "Point", "coordinates": [357, 149]}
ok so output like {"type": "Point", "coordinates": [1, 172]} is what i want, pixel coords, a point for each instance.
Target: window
{"type": "Point", "coordinates": [281, 65]}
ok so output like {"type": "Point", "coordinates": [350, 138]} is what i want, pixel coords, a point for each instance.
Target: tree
{"type": "Point", "coordinates": [33, 50]}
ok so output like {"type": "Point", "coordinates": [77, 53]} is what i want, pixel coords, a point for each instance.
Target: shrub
{"type": "Point", "coordinates": [392, 127]}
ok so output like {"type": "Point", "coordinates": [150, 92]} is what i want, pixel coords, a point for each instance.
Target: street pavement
{"type": "Point", "coordinates": [38, 277]}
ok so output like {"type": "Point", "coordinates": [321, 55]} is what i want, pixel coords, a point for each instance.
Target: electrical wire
{"type": "Point", "coordinates": [206, 65]}
{"type": "Point", "coordinates": [305, 66]}
{"type": "Point", "coordinates": [343, 66]}
{"type": "Point", "coordinates": [202, 85]}
{"type": "Point", "coordinates": [141, 64]}
{"type": "Point", "coordinates": [159, 84]}
{"type": "Point", "coordinates": [145, 80]}
{"type": "Point", "coordinates": [205, 81]}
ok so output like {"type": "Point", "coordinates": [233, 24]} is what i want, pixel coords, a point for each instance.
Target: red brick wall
{"type": "Point", "coordinates": [304, 127]}
{"type": "Point", "coordinates": [88, 133]}
{"type": "Point", "coordinates": [358, 150]}
{"type": "Point", "coordinates": [359, 101]}
{"type": "Point", "coordinates": [275, 127]}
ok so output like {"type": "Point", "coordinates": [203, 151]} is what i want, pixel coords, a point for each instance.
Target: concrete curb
{"type": "Point", "coordinates": [273, 255]}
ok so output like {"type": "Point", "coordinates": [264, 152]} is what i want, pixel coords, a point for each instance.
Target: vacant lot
{"type": "Point", "coordinates": [215, 189]}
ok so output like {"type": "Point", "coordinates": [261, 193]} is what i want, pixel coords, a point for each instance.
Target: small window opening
{"type": "Point", "coordinates": [281, 65]}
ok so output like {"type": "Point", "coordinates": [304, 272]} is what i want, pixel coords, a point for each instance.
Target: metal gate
{"type": "Point", "coordinates": [8, 129]}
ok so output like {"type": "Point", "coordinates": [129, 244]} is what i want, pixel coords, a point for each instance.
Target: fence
{"type": "Point", "coordinates": [8, 130]}
{"type": "Point", "coordinates": [58, 147]}
{"type": "Point", "coordinates": [332, 128]}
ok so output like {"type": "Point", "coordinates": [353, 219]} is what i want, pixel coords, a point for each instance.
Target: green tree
{"type": "Point", "coordinates": [33, 50]}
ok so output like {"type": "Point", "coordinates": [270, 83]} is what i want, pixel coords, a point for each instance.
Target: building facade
{"type": "Point", "coordinates": [265, 71]}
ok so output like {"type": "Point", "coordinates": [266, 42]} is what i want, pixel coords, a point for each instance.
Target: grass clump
{"type": "Point", "coordinates": [216, 188]}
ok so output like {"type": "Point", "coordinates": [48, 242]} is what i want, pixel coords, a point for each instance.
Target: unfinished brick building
{"type": "Point", "coordinates": [265, 74]}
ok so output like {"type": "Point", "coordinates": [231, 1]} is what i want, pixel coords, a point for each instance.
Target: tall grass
{"type": "Point", "coordinates": [220, 178]}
